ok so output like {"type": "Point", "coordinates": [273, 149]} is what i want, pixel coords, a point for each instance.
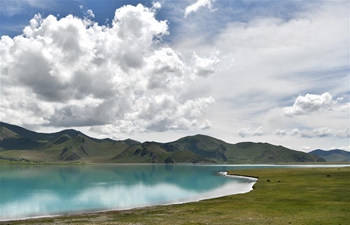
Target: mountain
{"type": "Point", "coordinates": [67, 145]}
{"type": "Point", "coordinates": [335, 155]}
{"type": "Point", "coordinates": [20, 144]}
{"type": "Point", "coordinates": [244, 152]}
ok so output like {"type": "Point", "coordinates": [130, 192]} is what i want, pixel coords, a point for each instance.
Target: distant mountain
{"type": "Point", "coordinates": [335, 155]}
{"type": "Point", "coordinates": [244, 152]}
{"type": "Point", "coordinates": [19, 144]}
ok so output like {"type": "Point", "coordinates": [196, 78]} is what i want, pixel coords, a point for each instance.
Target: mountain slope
{"type": "Point", "coordinates": [153, 152]}
{"type": "Point", "coordinates": [67, 145]}
{"type": "Point", "coordinates": [205, 149]}
{"type": "Point", "coordinates": [335, 155]}
{"type": "Point", "coordinates": [17, 143]}
{"type": "Point", "coordinates": [244, 152]}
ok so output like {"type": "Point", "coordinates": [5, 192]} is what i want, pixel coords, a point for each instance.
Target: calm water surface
{"type": "Point", "coordinates": [31, 191]}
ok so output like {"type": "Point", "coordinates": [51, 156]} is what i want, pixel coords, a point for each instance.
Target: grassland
{"type": "Point", "coordinates": [291, 196]}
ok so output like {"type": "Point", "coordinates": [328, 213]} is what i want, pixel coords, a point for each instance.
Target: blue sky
{"type": "Point", "coordinates": [16, 14]}
{"type": "Point", "coordinates": [262, 71]}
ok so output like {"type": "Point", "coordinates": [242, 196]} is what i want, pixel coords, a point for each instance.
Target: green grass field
{"type": "Point", "coordinates": [292, 196]}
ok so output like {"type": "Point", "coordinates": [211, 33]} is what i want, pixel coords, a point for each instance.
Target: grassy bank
{"type": "Point", "coordinates": [281, 196]}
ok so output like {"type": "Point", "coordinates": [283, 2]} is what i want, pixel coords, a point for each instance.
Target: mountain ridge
{"type": "Point", "coordinates": [333, 155]}
{"type": "Point", "coordinates": [74, 146]}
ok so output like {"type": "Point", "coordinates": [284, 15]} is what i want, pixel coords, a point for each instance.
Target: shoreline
{"type": "Point", "coordinates": [252, 178]}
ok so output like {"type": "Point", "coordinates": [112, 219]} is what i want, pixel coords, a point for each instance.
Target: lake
{"type": "Point", "coordinates": [47, 190]}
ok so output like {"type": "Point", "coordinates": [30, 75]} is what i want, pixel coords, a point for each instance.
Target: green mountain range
{"type": "Point", "coordinates": [334, 155]}
{"type": "Point", "coordinates": [19, 144]}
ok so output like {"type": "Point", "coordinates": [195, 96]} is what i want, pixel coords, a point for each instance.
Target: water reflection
{"type": "Point", "coordinates": [45, 190]}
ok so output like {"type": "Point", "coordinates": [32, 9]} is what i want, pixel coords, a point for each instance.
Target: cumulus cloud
{"type": "Point", "coordinates": [295, 132]}
{"type": "Point", "coordinates": [90, 13]}
{"type": "Point", "coordinates": [322, 132]}
{"type": "Point", "coordinates": [259, 131]}
{"type": "Point", "coordinates": [319, 132]}
{"type": "Point", "coordinates": [344, 108]}
{"type": "Point", "coordinates": [308, 104]}
{"type": "Point", "coordinates": [343, 133]}
{"type": "Point", "coordinates": [118, 130]}
{"type": "Point", "coordinates": [156, 5]}
{"type": "Point", "coordinates": [199, 4]}
{"type": "Point", "coordinates": [205, 66]}
{"type": "Point", "coordinates": [205, 125]}
{"type": "Point", "coordinates": [312, 103]}
{"type": "Point", "coordinates": [281, 133]}
{"type": "Point", "coordinates": [245, 132]}
{"type": "Point", "coordinates": [74, 72]}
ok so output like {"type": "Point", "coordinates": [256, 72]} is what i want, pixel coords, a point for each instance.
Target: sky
{"type": "Point", "coordinates": [240, 70]}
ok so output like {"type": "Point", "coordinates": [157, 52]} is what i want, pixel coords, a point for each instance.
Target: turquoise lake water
{"type": "Point", "coordinates": [45, 190]}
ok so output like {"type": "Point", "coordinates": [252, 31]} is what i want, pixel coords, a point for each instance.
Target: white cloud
{"type": "Point", "coordinates": [205, 125]}
{"type": "Point", "coordinates": [183, 124]}
{"type": "Point", "coordinates": [281, 133]}
{"type": "Point", "coordinates": [90, 13]}
{"type": "Point", "coordinates": [195, 6]}
{"type": "Point", "coordinates": [244, 132]}
{"type": "Point", "coordinates": [74, 72]}
{"type": "Point", "coordinates": [156, 5]}
{"type": "Point", "coordinates": [205, 66]}
{"type": "Point", "coordinates": [259, 131]}
{"type": "Point", "coordinates": [305, 149]}
{"type": "Point", "coordinates": [295, 132]}
{"type": "Point", "coordinates": [322, 132]}
{"type": "Point", "coordinates": [119, 130]}
{"type": "Point", "coordinates": [344, 108]}
{"type": "Point", "coordinates": [343, 133]}
{"type": "Point", "coordinates": [319, 132]}
{"type": "Point", "coordinates": [309, 104]}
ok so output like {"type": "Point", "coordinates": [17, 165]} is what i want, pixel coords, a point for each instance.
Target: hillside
{"type": "Point", "coordinates": [335, 155]}
{"type": "Point", "coordinates": [19, 144]}
{"type": "Point", "coordinates": [244, 152]}
{"type": "Point", "coordinates": [63, 146]}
